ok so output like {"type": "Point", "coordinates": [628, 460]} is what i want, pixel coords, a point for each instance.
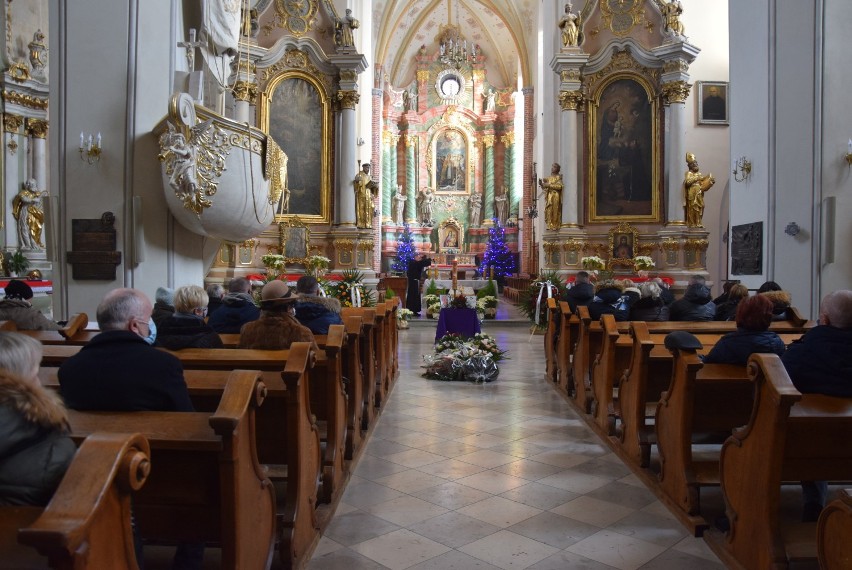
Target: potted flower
{"type": "Point", "coordinates": [402, 318]}
{"type": "Point", "coordinates": [642, 263]}
{"type": "Point", "coordinates": [274, 264]}
{"type": "Point", "coordinates": [317, 265]}
{"type": "Point", "coordinates": [17, 264]}
{"type": "Point", "coordinates": [433, 305]}
{"type": "Point", "coordinates": [489, 306]}
{"type": "Point", "coordinates": [596, 265]}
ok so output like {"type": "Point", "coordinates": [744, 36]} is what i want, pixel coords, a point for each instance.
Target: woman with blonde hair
{"type": "Point", "coordinates": [35, 450]}
{"type": "Point", "coordinates": [186, 327]}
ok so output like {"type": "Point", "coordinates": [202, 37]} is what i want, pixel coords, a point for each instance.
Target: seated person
{"type": "Point", "coordinates": [665, 293]}
{"type": "Point", "coordinates": [215, 293]}
{"type": "Point", "coordinates": [164, 304]}
{"type": "Point", "coordinates": [821, 363]}
{"type": "Point", "coordinates": [277, 327]}
{"type": "Point", "coordinates": [754, 314]}
{"type": "Point", "coordinates": [780, 299]}
{"type": "Point", "coordinates": [727, 310]}
{"type": "Point", "coordinates": [613, 298]}
{"type": "Point", "coordinates": [237, 308]}
{"type": "Point", "coordinates": [696, 303]}
{"type": "Point", "coordinates": [581, 292]}
{"type": "Point", "coordinates": [186, 327]}
{"type": "Point", "coordinates": [315, 312]}
{"type": "Point", "coordinates": [17, 307]}
{"type": "Point", "coordinates": [35, 450]}
{"type": "Point", "coordinates": [651, 307]}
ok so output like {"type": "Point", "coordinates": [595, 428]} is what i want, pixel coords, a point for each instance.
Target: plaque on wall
{"type": "Point", "coordinates": [93, 248]}
{"type": "Point", "coordinates": [747, 249]}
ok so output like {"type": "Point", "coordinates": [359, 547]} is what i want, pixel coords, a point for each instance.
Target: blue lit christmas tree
{"type": "Point", "coordinates": [497, 253]}
{"type": "Point", "coordinates": [404, 251]}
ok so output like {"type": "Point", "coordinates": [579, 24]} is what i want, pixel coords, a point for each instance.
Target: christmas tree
{"type": "Point", "coordinates": [497, 253]}
{"type": "Point", "coordinates": [404, 251]}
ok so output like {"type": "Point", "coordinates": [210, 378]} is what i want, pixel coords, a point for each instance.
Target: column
{"type": "Point", "coordinates": [411, 176]}
{"type": "Point", "coordinates": [11, 146]}
{"type": "Point", "coordinates": [508, 141]}
{"type": "Point", "coordinates": [674, 97]}
{"type": "Point", "coordinates": [570, 156]}
{"type": "Point", "coordinates": [388, 182]}
{"type": "Point", "coordinates": [348, 161]}
{"type": "Point", "coordinates": [488, 190]}
{"type": "Point", "coordinates": [245, 92]}
{"type": "Point", "coordinates": [37, 128]}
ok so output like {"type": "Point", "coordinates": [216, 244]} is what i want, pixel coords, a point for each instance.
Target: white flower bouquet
{"type": "Point", "coordinates": [403, 314]}
{"type": "Point", "coordinates": [317, 265]}
{"type": "Point", "coordinates": [273, 261]}
{"type": "Point", "coordinates": [643, 263]}
{"type": "Point", "coordinates": [593, 262]}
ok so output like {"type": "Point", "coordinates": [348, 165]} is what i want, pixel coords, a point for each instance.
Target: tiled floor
{"type": "Point", "coordinates": [502, 475]}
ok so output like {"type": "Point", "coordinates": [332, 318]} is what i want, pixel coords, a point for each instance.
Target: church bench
{"type": "Point", "coordinates": [207, 484]}
{"type": "Point", "coordinates": [834, 549]}
{"type": "Point", "coordinates": [790, 437]}
{"type": "Point", "coordinates": [569, 326]}
{"type": "Point", "coordinates": [86, 525]}
{"type": "Point", "coordinates": [551, 339]}
{"type": "Point", "coordinates": [580, 364]}
{"type": "Point", "coordinates": [352, 369]}
{"type": "Point", "coordinates": [8, 326]}
{"type": "Point", "coordinates": [393, 342]}
{"type": "Point", "coordinates": [371, 335]}
{"type": "Point", "coordinates": [73, 332]}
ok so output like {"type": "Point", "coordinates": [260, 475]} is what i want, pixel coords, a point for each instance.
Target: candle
{"type": "Point", "coordinates": [99, 140]}
{"type": "Point", "coordinates": [90, 142]}
{"type": "Point", "coordinates": [82, 140]}
{"type": "Point", "coordinates": [849, 146]}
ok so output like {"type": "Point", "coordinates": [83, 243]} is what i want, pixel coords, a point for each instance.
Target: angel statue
{"type": "Point", "coordinates": [27, 211]}
{"type": "Point", "coordinates": [181, 158]}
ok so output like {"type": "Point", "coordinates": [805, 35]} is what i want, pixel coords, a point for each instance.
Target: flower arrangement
{"type": "Point", "coordinates": [593, 262]}
{"type": "Point", "coordinates": [459, 302]}
{"type": "Point", "coordinates": [457, 358]}
{"type": "Point", "coordinates": [488, 343]}
{"type": "Point", "coordinates": [317, 265]}
{"type": "Point", "coordinates": [274, 264]}
{"type": "Point", "coordinates": [643, 263]}
{"type": "Point", "coordinates": [533, 301]}
{"type": "Point", "coordinates": [349, 290]}
{"type": "Point", "coordinates": [489, 302]}
{"type": "Point", "coordinates": [404, 314]}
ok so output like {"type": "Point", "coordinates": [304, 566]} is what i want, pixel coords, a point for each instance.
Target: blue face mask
{"type": "Point", "coordinates": [152, 332]}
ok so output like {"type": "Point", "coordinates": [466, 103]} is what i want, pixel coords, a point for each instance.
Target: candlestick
{"type": "Point", "coordinates": [82, 139]}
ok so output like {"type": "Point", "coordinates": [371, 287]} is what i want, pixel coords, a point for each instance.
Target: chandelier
{"type": "Point", "coordinates": [454, 50]}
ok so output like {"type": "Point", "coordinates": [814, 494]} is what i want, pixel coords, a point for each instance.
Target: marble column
{"type": "Point", "coordinates": [348, 162]}
{"type": "Point", "coordinates": [12, 145]}
{"type": "Point", "coordinates": [411, 176]}
{"type": "Point", "coordinates": [488, 198]}
{"type": "Point", "coordinates": [37, 130]}
{"type": "Point", "coordinates": [388, 182]}
{"type": "Point", "coordinates": [674, 97]}
{"type": "Point", "coordinates": [570, 157]}
{"type": "Point", "coordinates": [508, 141]}
{"type": "Point", "coordinates": [245, 92]}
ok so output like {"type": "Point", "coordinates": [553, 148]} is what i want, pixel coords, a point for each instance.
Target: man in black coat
{"type": "Point", "coordinates": [581, 292]}
{"type": "Point", "coordinates": [696, 303]}
{"type": "Point", "coordinates": [413, 272]}
{"type": "Point", "coordinates": [237, 308]}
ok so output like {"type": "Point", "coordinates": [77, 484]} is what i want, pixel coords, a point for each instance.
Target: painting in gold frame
{"type": "Point", "coordinates": [623, 244]}
{"type": "Point", "coordinates": [450, 151]}
{"type": "Point", "coordinates": [623, 151]}
{"type": "Point", "coordinates": [295, 111]}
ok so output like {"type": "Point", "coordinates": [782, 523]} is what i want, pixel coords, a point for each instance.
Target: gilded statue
{"type": "Point", "coordinates": [671, 13]}
{"type": "Point", "coordinates": [365, 189]}
{"type": "Point", "coordinates": [695, 185]}
{"type": "Point", "coordinates": [552, 186]}
{"type": "Point", "coordinates": [27, 211]}
{"type": "Point", "coordinates": [570, 26]}
{"type": "Point", "coordinates": [343, 37]}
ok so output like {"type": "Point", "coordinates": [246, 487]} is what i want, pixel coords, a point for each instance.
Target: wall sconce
{"type": "Point", "coordinates": [90, 148]}
{"type": "Point", "coordinates": [848, 155]}
{"type": "Point", "coordinates": [742, 169]}
{"type": "Point", "coordinates": [360, 141]}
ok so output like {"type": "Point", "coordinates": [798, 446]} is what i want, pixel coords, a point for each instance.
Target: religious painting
{"type": "Point", "coordinates": [747, 249]}
{"type": "Point", "coordinates": [622, 143]}
{"type": "Point", "coordinates": [623, 241]}
{"type": "Point", "coordinates": [712, 102]}
{"type": "Point", "coordinates": [295, 113]}
{"type": "Point", "coordinates": [450, 236]}
{"type": "Point", "coordinates": [450, 155]}
{"type": "Point", "coordinates": [294, 238]}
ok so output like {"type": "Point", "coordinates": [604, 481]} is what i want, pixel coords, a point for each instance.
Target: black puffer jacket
{"type": "Point", "coordinates": [736, 347]}
{"type": "Point", "coordinates": [35, 449]}
{"type": "Point", "coordinates": [695, 305]}
{"type": "Point", "coordinates": [649, 309]}
{"type": "Point", "coordinates": [611, 301]}
{"type": "Point", "coordinates": [579, 294]}
{"type": "Point", "coordinates": [318, 313]}
{"type": "Point", "coordinates": [187, 331]}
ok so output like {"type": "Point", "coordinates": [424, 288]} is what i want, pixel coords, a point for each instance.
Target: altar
{"type": "Point", "coordinates": [474, 284]}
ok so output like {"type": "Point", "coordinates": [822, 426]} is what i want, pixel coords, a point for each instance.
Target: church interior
{"type": "Point", "coordinates": [160, 143]}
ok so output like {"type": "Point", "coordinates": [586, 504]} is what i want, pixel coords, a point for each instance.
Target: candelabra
{"type": "Point", "coordinates": [90, 148]}
{"type": "Point", "coordinates": [742, 169]}
{"type": "Point", "coordinates": [454, 51]}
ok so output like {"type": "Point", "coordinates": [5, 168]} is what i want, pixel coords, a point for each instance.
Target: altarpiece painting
{"type": "Point", "coordinates": [449, 149]}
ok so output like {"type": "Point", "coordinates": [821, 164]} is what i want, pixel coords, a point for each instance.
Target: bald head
{"type": "Point", "coordinates": [121, 308]}
{"type": "Point", "coordinates": [836, 309]}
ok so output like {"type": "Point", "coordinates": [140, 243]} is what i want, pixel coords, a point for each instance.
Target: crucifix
{"type": "Point", "coordinates": [190, 46]}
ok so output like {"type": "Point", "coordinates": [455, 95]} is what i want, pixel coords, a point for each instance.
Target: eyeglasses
{"type": "Point", "coordinates": [201, 311]}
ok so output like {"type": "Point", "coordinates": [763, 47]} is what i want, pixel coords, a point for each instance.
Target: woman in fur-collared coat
{"type": "Point", "coordinates": [35, 449]}
{"type": "Point", "coordinates": [277, 327]}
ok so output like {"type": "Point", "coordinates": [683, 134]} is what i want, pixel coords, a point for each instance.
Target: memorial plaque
{"type": "Point", "coordinates": [747, 249]}
{"type": "Point", "coordinates": [93, 252]}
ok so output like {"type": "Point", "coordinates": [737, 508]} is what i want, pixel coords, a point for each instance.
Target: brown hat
{"type": "Point", "coordinates": [275, 293]}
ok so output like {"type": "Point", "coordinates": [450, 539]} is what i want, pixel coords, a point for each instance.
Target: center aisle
{"type": "Point", "coordinates": [502, 475]}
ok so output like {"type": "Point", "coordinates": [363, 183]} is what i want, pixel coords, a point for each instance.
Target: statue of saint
{"type": "Point", "coordinates": [490, 99]}
{"type": "Point", "coordinates": [365, 188]}
{"type": "Point", "coordinates": [398, 205]}
{"type": "Point", "coordinates": [552, 186]}
{"type": "Point", "coordinates": [570, 26]}
{"type": "Point", "coordinates": [501, 202]}
{"type": "Point", "coordinates": [475, 210]}
{"type": "Point", "coordinates": [427, 197]}
{"type": "Point", "coordinates": [27, 211]}
{"type": "Point", "coordinates": [695, 185]}
{"type": "Point", "coordinates": [343, 30]}
{"type": "Point", "coordinates": [671, 13]}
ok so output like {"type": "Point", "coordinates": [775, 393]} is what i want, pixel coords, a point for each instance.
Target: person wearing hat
{"type": "Point", "coordinates": [164, 305]}
{"type": "Point", "coordinates": [277, 326]}
{"type": "Point", "coordinates": [17, 307]}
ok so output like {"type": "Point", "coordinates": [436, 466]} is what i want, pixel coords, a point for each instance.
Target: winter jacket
{"type": "Point", "coordinates": [579, 294]}
{"type": "Point", "coordinates": [318, 313]}
{"type": "Point", "coordinates": [35, 450]}
{"type": "Point", "coordinates": [237, 309]}
{"type": "Point", "coordinates": [25, 316]}
{"type": "Point", "coordinates": [214, 303]}
{"type": "Point", "coordinates": [162, 311]}
{"type": "Point", "coordinates": [649, 309]}
{"type": "Point", "coordinates": [780, 303]}
{"type": "Point", "coordinates": [612, 301]}
{"type": "Point", "coordinates": [736, 347]}
{"type": "Point", "coordinates": [274, 331]}
{"type": "Point", "coordinates": [187, 331]}
{"type": "Point", "coordinates": [695, 305]}
{"type": "Point", "coordinates": [119, 371]}
{"type": "Point", "coordinates": [821, 362]}
{"type": "Point", "coordinates": [727, 311]}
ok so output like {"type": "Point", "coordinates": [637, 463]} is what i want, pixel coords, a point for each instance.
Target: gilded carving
{"type": "Point", "coordinates": [246, 67]}
{"type": "Point", "coordinates": [487, 140]}
{"type": "Point", "coordinates": [19, 72]}
{"type": "Point", "coordinates": [478, 75]}
{"type": "Point", "coordinates": [570, 75]}
{"type": "Point", "coordinates": [675, 92]}
{"type": "Point", "coordinates": [508, 139]}
{"type": "Point", "coordinates": [410, 140]}
{"type": "Point", "coordinates": [675, 65]}
{"type": "Point", "coordinates": [24, 100]}
{"type": "Point", "coordinates": [276, 172]}
{"type": "Point", "coordinates": [422, 75]}
{"type": "Point", "coordinates": [387, 138]}
{"type": "Point", "coordinates": [297, 17]}
{"type": "Point", "coordinates": [621, 15]}
{"type": "Point", "coordinates": [13, 146]}
{"type": "Point", "coordinates": [648, 248]}
{"type": "Point", "coordinates": [296, 59]}
{"type": "Point", "coordinates": [621, 61]}
{"type": "Point", "coordinates": [344, 245]}
{"type": "Point", "coordinates": [598, 249]}
{"type": "Point", "coordinates": [348, 99]}
{"type": "Point", "coordinates": [366, 246]}
{"type": "Point", "coordinates": [570, 100]}
{"type": "Point", "coordinates": [348, 75]}
{"type": "Point", "coordinates": [245, 91]}
{"type": "Point", "coordinates": [697, 245]}
{"type": "Point", "coordinates": [37, 128]}
{"type": "Point", "coordinates": [572, 245]}
{"type": "Point", "coordinates": [550, 247]}
{"type": "Point", "coordinates": [11, 123]}
{"type": "Point", "coordinates": [670, 245]}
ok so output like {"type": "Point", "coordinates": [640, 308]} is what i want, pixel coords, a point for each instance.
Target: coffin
{"type": "Point", "coordinates": [221, 179]}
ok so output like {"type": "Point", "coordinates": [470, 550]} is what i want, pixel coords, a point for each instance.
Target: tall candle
{"type": "Point", "coordinates": [82, 139]}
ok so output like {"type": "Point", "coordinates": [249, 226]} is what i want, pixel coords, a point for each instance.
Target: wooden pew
{"type": "Point", "coordinates": [8, 326]}
{"type": "Point", "coordinates": [86, 525]}
{"type": "Point", "coordinates": [207, 484]}
{"type": "Point", "coordinates": [834, 549]}
{"type": "Point", "coordinates": [74, 332]}
{"type": "Point", "coordinates": [353, 371]}
{"type": "Point", "coordinates": [569, 326]}
{"type": "Point", "coordinates": [368, 360]}
{"type": "Point", "coordinates": [393, 342]}
{"type": "Point", "coordinates": [583, 352]}
{"type": "Point", "coordinates": [551, 340]}
{"type": "Point", "coordinates": [789, 437]}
